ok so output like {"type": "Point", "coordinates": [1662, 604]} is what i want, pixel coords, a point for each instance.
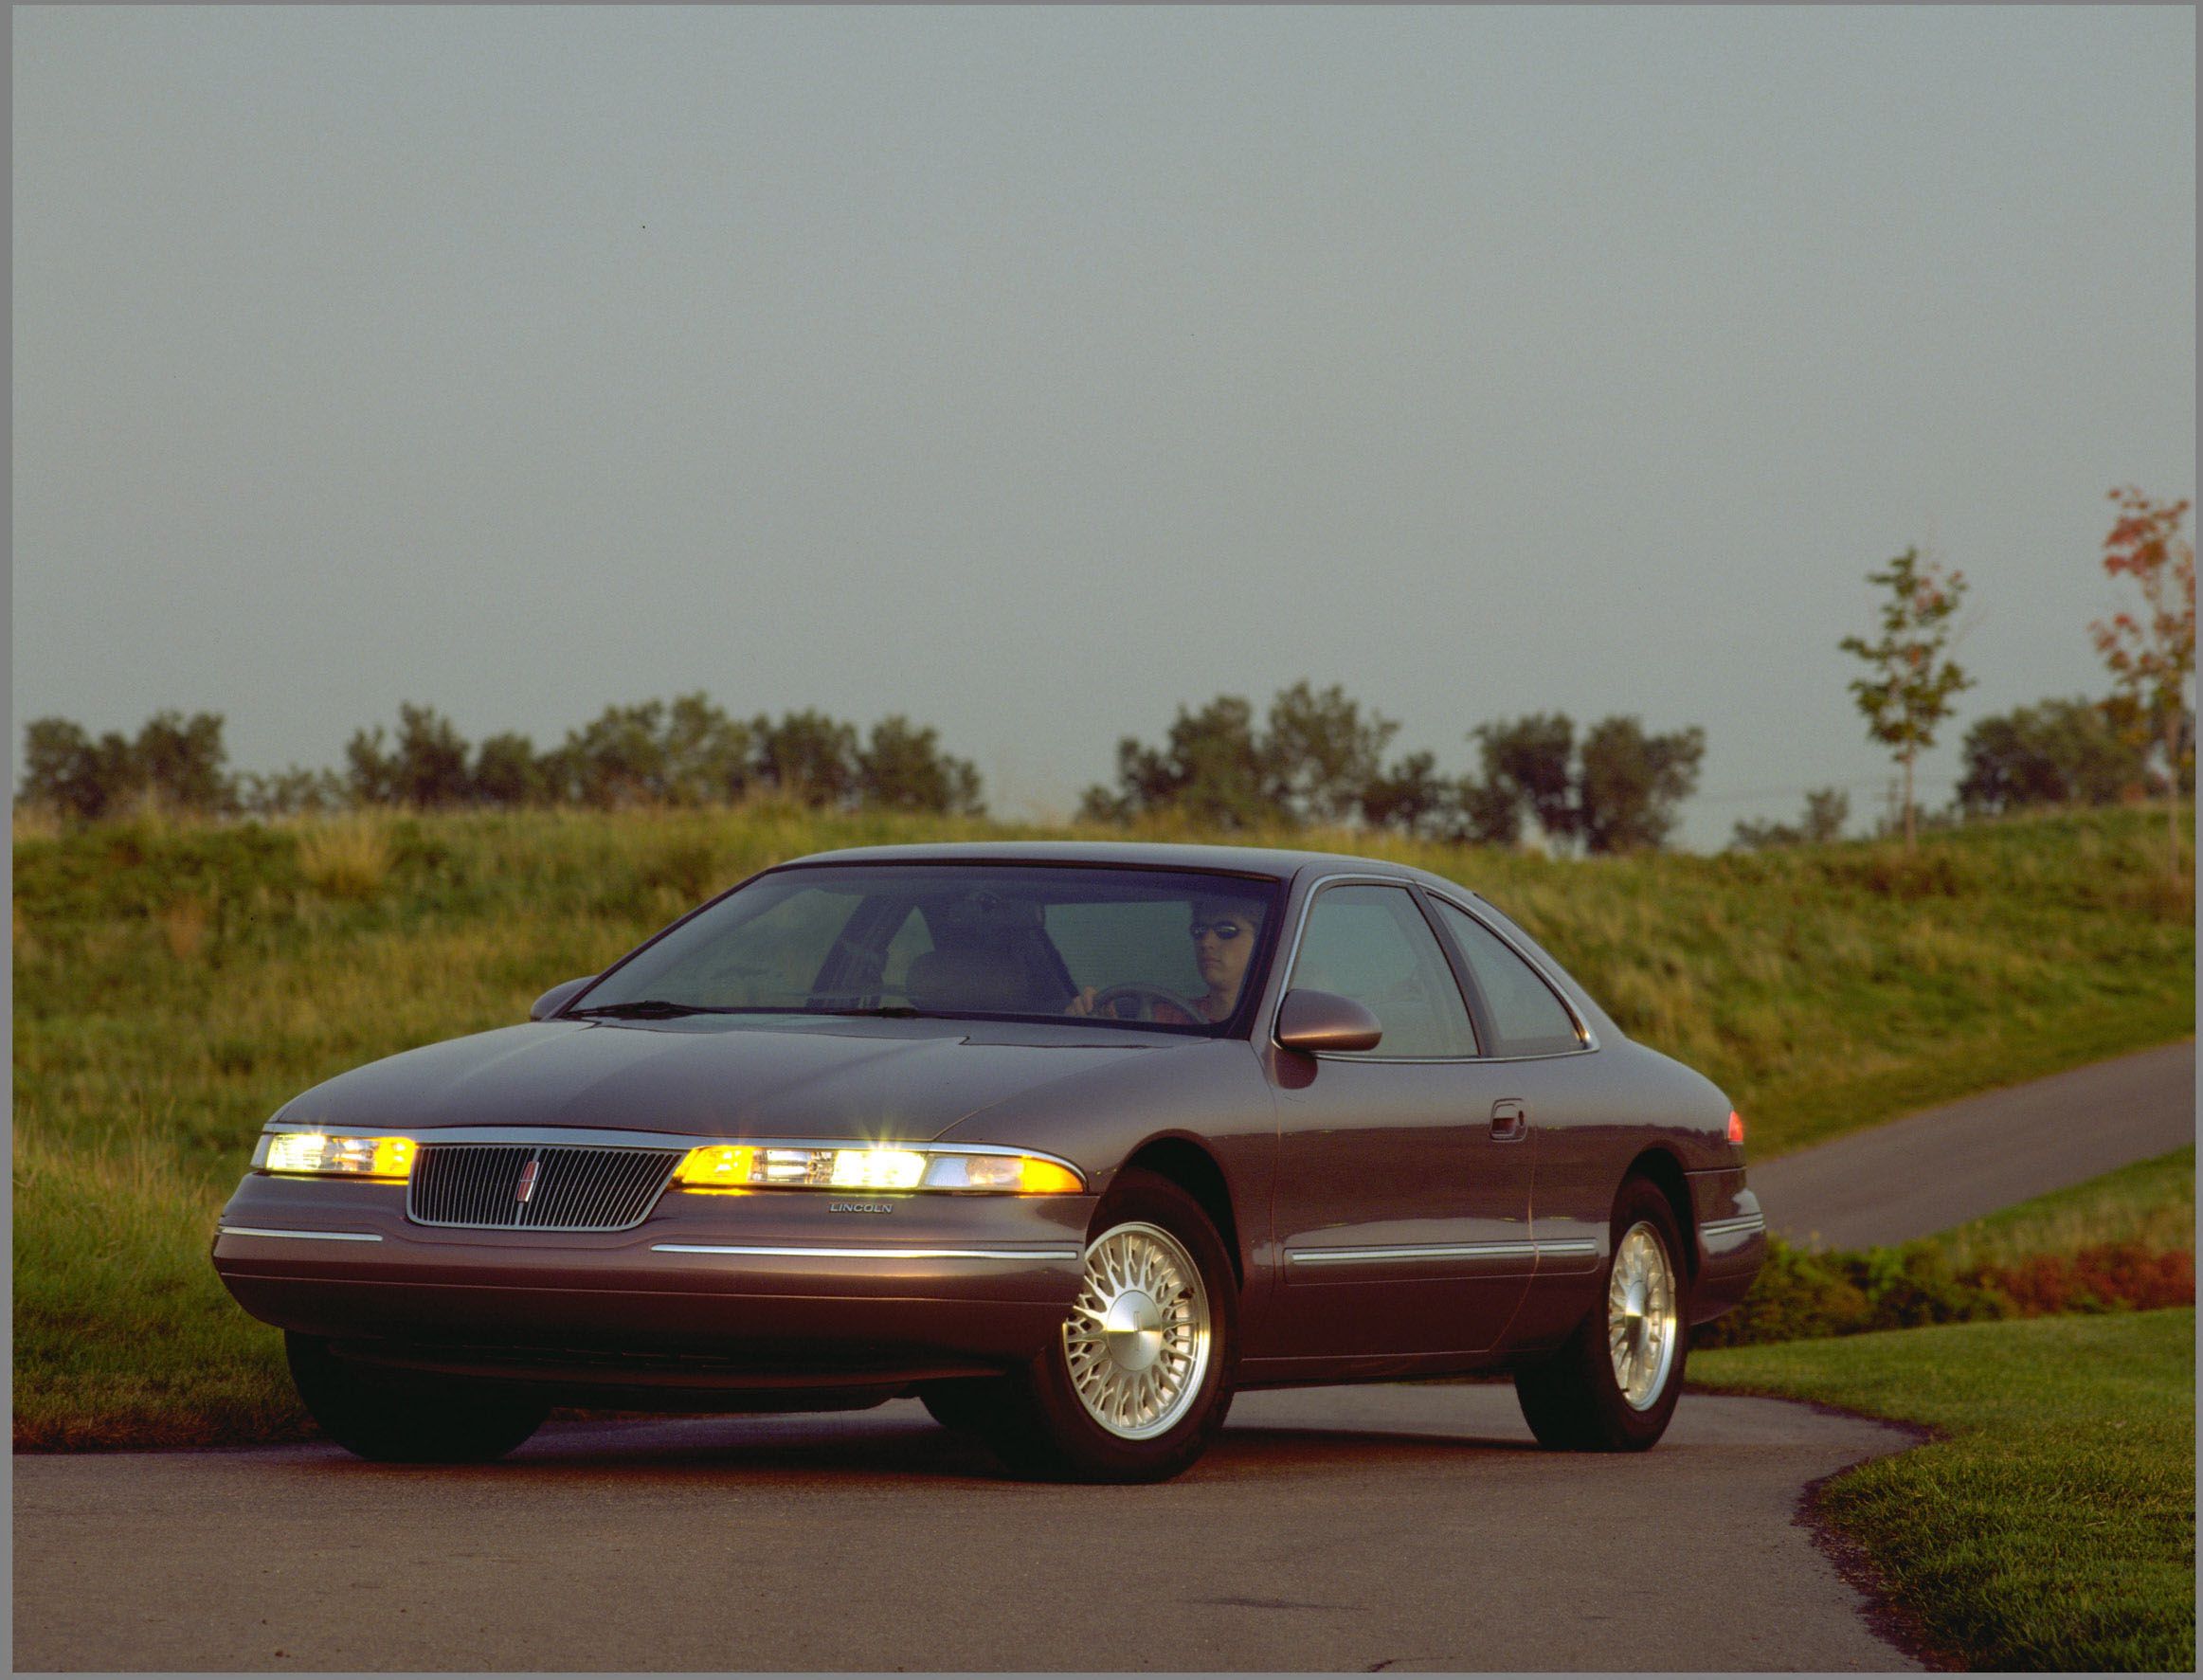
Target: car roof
{"type": "Point", "coordinates": [1262, 860]}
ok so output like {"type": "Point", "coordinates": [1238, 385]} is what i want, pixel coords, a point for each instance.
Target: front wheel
{"type": "Point", "coordinates": [1613, 1385]}
{"type": "Point", "coordinates": [407, 1418]}
{"type": "Point", "coordinates": [1136, 1385]}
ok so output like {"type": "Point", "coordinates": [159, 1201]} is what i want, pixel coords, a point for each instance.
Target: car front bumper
{"type": "Point", "coordinates": [759, 1290]}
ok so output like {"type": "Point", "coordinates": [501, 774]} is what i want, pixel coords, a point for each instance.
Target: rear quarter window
{"type": "Point", "coordinates": [1527, 1015]}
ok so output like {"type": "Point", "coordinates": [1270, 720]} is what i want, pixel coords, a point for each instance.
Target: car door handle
{"type": "Point", "coordinates": [1511, 1119]}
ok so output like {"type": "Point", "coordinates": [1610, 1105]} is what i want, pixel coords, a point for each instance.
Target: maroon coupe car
{"type": "Point", "coordinates": [1070, 1141]}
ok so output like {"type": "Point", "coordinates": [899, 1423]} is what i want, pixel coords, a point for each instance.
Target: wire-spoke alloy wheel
{"type": "Point", "coordinates": [1137, 1341]}
{"type": "Point", "coordinates": [1136, 1385]}
{"type": "Point", "coordinates": [1641, 1316]}
{"type": "Point", "coordinates": [1613, 1385]}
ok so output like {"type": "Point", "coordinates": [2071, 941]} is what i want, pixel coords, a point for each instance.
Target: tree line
{"type": "Point", "coordinates": [686, 752]}
{"type": "Point", "coordinates": [1316, 757]}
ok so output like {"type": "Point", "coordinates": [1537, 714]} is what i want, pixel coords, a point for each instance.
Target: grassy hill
{"type": "Point", "coordinates": [174, 983]}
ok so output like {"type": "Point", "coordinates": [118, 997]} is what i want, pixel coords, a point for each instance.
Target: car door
{"type": "Point", "coordinates": [1403, 1193]}
{"type": "Point", "coordinates": [1573, 1131]}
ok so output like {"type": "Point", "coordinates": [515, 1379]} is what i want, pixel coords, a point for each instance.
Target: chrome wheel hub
{"type": "Point", "coordinates": [1137, 1341]}
{"type": "Point", "coordinates": [1640, 1315]}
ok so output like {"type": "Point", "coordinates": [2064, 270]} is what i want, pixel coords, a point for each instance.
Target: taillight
{"type": "Point", "coordinates": [1736, 1127]}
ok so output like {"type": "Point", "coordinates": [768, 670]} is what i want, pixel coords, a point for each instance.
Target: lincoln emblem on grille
{"type": "Point", "coordinates": [527, 1186]}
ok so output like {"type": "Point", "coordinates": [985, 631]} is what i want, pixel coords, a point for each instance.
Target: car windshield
{"type": "Point", "coordinates": [1177, 949]}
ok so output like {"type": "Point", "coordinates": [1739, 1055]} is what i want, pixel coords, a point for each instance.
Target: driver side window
{"type": "Point", "coordinates": [1371, 944]}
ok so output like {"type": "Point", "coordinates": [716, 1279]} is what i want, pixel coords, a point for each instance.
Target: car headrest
{"type": "Point", "coordinates": [983, 919]}
{"type": "Point", "coordinates": [966, 979]}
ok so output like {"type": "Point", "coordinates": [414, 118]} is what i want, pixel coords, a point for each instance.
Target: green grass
{"type": "Point", "coordinates": [2151, 1203]}
{"type": "Point", "coordinates": [119, 1340]}
{"type": "Point", "coordinates": [2054, 1525]}
{"type": "Point", "coordinates": [174, 983]}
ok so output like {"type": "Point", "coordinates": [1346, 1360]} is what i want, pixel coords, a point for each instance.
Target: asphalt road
{"type": "Point", "coordinates": [1944, 1165]}
{"type": "Point", "coordinates": [1352, 1528]}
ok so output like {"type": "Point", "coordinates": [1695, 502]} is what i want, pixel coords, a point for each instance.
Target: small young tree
{"type": "Point", "coordinates": [1909, 683]}
{"type": "Point", "coordinates": [2152, 655]}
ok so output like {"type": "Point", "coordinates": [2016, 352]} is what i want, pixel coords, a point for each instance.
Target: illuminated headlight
{"type": "Point", "coordinates": [353, 1157]}
{"type": "Point", "coordinates": [731, 1167]}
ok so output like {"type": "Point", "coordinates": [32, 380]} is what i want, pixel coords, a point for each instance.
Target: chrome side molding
{"type": "Point", "coordinates": [1551, 1248]}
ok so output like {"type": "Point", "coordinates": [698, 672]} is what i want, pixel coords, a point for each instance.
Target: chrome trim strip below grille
{"type": "Point", "coordinates": [300, 1236]}
{"type": "Point", "coordinates": [1065, 1253]}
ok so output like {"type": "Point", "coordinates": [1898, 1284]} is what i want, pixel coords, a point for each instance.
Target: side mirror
{"type": "Point", "coordinates": [557, 998]}
{"type": "Point", "coordinates": [1316, 1022]}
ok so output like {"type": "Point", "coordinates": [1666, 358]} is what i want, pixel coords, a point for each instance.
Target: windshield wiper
{"type": "Point", "coordinates": [646, 1009]}
{"type": "Point", "coordinates": [891, 1011]}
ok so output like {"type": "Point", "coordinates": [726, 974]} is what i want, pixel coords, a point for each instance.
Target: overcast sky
{"type": "Point", "coordinates": [1033, 373]}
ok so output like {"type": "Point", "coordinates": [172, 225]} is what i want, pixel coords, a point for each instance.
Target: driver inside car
{"type": "Point", "coordinates": [1224, 931]}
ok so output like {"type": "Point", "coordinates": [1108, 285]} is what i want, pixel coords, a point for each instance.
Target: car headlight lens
{"type": "Point", "coordinates": [352, 1157]}
{"type": "Point", "coordinates": [1021, 1174]}
{"type": "Point", "coordinates": [730, 1166]}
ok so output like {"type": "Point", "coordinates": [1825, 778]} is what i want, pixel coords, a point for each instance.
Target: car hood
{"type": "Point", "coordinates": [715, 1076]}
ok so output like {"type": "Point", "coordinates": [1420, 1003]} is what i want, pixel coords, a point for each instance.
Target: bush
{"type": "Point", "coordinates": [2108, 1277]}
{"type": "Point", "coordinates": [1800, 1296]}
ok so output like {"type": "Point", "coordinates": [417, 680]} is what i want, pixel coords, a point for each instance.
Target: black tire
{"type": "Point", "coordinates": [1043, 1431]}
{"type": "Point", "coordinates": [1573, 1401]}
{"type": "Point", "coordinates": [405, 1417]}
{"type": "Point", "coordinates": [968, 1405]}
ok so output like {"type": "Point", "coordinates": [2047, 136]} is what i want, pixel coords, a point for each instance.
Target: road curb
{"type": "Point", "coordinates": [1897, 1623]}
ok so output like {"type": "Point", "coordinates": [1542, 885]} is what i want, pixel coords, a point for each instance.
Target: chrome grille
{"type": "Point", "coordinates": [576, 1187]}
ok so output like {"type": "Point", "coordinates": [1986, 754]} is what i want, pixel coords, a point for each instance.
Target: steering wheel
{"type": "Point", "coordinates": [1140, 989]}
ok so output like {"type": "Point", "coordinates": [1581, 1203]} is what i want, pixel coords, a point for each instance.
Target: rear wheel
{"type": "Point", "coordinates": [1137, 1383]}
{"type": "Point", "coordinates": [406, 1416]}
{"type": "Point", "coordinates": [1613, 1385]}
